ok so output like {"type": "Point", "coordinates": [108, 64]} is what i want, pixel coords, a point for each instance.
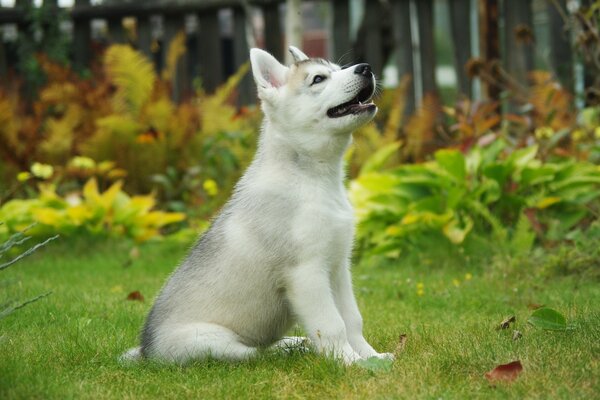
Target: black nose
{"type": "Point", "coordinates": [363, 69]}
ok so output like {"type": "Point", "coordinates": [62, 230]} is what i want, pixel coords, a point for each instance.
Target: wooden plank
{"type": "Point", "coordinates": [373, 51]}
{"type": "Point", "coordinates": [163, 7]}
{"type": "Point", "coordinates": [144, 36]}
{"type": "Point", "coordinates": [518, 36]}
{"type": "Point", "coordinates": [210, 50]}
{"type": "Point", "coordinates": [427, 45]}
{"type": "Point", "coordinates": [460, 26]}
{"type": "Point", "coordinates": [173, 24]}
{"type": "Point", "coordinates": [241, 55]}
{"type": "Point", "coordinates": [342, 48]}
{"type": "Point", "coordinates": [561, 54]}
{"type": "Point", "coordinates": [82, 38]}
{"type": "Point", "coordinates": [489, 42]}
{"type": "Point", "coordinates": [273, 33]}
{"type": "Point", "coordinates": [404, 49]}
{"type": "Point", "coordinates": [3, 64]}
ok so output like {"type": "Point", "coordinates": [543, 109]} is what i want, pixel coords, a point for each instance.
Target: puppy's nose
{"type": "Point", "coordinates": [363, 69]}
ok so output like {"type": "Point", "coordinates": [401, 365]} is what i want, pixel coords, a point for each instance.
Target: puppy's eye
{"type": "Point", "coordinates": [318, 79]}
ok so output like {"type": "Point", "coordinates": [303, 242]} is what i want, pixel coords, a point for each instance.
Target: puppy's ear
{"type": "Point", "coordinates": [268, 72]}
{"type": "Point", "coordinates": [297, 54]}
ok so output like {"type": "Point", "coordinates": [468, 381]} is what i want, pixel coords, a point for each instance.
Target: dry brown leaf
{"type": "Point", "coordinates": [517, 335]}
{"type": "Point", "coordinates": [505, 372]}
{"type": "Point", "coordinates": [506, 323]}
{"type": "Point", "coordinates": [401, 343]}
{"type": "Point", "coordinates": [135, 295]}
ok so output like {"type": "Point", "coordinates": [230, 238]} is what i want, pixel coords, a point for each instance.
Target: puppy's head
{"type": "Point", "coordinates": [313, 95]}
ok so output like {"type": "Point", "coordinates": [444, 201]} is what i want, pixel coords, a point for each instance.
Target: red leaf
{"type": "Point", "coordinates": [506, 372]}
{"type": "Point", "coordinates": [136, 295]}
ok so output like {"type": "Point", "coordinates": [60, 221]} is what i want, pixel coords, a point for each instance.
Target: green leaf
{"type": "Point", "coordinates": [453, 162]}
{"type": "Point", "coordinates": [549, 319]}
{"type": "Point", "coordinates": [381, 156]}
{"type": "Point", "coordinates": [374, 364]}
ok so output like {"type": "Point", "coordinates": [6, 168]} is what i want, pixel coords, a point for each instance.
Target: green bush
{"type": "Point", "coordinates": [494, 188]}
{"type": "Point", "coordinates": [112, 212]}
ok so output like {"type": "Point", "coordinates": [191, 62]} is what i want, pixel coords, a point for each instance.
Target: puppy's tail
{"type": "Point", "coordinates": [131, 356]}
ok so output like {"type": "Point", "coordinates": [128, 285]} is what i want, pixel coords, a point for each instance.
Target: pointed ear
{"type": "Point", "coordinates": [297, 54]}
{"type": "Point", "coordinates": [268, 72]}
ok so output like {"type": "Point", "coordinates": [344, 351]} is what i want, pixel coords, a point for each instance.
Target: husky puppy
{"type": "Point", "coordinates": [279, 251]}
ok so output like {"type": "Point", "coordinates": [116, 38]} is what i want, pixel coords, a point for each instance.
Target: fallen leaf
{"type": "Point", "coordinates": [549, 319]}
{"type": "Point", "coordinates": [505, 372]}
{"type": "Point", "coordinates": [135, 295]}
{"type": "Point", "coordinates": [401, 343]}
{"type": "Point", "coordinates": [506, 323]}
{"type": "Point", "coordinates": [517, 335]}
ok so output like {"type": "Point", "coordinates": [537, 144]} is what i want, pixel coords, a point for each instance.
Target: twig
{"type": "Point", "coordinates": [10, 310]}
{"type": "Point", "coordinates": [27, 252]}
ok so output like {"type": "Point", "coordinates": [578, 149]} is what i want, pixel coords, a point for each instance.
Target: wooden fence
{"type": "Point", "coordinates": [389, 28]}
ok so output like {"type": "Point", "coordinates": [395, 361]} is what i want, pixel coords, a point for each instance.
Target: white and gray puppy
{"type": "Point", "coordinates": [279, 251]}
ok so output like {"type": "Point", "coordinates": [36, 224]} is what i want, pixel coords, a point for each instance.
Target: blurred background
{"type": "Point", "coordinates": [114, 100]}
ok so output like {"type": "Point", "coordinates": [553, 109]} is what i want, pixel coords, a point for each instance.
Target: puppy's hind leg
{"type": "Point", "coordinates": [186, 342]}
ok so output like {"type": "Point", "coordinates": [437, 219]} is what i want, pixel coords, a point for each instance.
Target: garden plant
{"type": "Point", "coordinates": [477, 257]}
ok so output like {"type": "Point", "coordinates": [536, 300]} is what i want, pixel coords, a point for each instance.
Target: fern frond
{"type": "Point", "coordinates": [223, 92]}
{"type": "Point", "coordinates": [132, 74]}
{"type": "Point", "coordinates": [394, 121]}
{"type": "Point", "coordinates": [176, 50]}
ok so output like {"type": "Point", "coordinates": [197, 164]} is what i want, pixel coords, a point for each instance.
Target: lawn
{"type": "Point", "coordinates": [66, 345]}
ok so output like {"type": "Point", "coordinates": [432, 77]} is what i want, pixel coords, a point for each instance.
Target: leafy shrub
{"type": "Point", "coordinates": [110, 212]}
{"type": "Point", "coordinates": [124, 114]}
{"type": "Point", "coordinates": [493, 188]}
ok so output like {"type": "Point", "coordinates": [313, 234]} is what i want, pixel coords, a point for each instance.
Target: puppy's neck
{"type": "Point", "coordinates": [317, 155]}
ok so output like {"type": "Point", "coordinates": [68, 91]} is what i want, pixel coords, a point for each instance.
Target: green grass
{"type": "Point", "coordinates": [66, 345]}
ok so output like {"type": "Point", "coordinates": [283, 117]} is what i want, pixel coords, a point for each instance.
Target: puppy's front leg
{"type": "Point", "coordinates": [310, 295]}
{"type": "Point", "coordinates": [346, 303]}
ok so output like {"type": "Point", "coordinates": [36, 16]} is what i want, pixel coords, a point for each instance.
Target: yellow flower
{"type": "Point", "coordinates": [456, 282]}
{"type": "Point", "coordinates": [23, 176]}
{"type": "Point", "coordinates": [597, 132]}
{"type": "Point", "coordinates": [577, 135]}
{"type": "Point", "coordinates": [420, 286]}
{"type": "Point", "coordinates": [83, 162]}
{"type": "Point", "coordinates": [43, 171]}
{"type": "Point", "coordinates": [210, 187]}
{"type": "Point", "coordinates": [420, 292]}
{"type": "Point", "coordinates": [544, 132]}
{"type": "Point", "coordinates": [468, 276]}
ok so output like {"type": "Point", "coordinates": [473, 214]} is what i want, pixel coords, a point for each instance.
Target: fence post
{"type": "Point", "coordinates": [173, 24]}
{"type": "Point", "coordinates": [561, 55]}
{"type": "Point", "coordinates": [273, 37]}
{"type": "Point", "coordinates": [240, 55]}
{"type": "Point", "coordinates": [342, 48]}
{"type": "Point", "coordinates": [373, 46]}
{"type": "Point", "coordinates": [3, 66]}
{"type": "Point", "coordinates": [427, 45]}
{"type": "Point", "coordinates": [518, 36]}
{"type": "Point", "coordinates": [460, 25]}
{"type": "Point", "coordinates": [82, 37]}
{"type": "Point", "coordinates": [144, 36]}
{"type": "Point", "coordinates": [404, 49]}
{"type": "Point", "coordinates": [116, 31]}
{"type": "Point", "coordinates": [489, 42]}
{"type": "Point", "coordinates": [210, 49]}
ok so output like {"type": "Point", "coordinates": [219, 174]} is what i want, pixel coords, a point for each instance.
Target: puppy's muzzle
{"type": "Point", "coordinates": [364, 70]}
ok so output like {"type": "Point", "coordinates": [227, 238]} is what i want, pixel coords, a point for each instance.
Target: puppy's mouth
{"type": "Point", "coordinates": [359, 104]}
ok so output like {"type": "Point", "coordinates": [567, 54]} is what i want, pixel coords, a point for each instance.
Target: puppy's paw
{"type": "Point", "coordinates": [385, 356]}
{"type": "Point", "coordinates": [350, 358]}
